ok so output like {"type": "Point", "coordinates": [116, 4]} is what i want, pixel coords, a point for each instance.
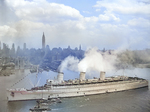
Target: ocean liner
{"type": "Point", "coordinates": [77, 87]}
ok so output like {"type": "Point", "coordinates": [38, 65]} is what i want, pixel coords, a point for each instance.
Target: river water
{"type": "Point", "coordinates": [137, 100]}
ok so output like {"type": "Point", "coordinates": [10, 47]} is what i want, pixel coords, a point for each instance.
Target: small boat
{"type": "Point", "coordinates": [57, 100]}
{"type": "Point", "coordinates": [49, 100]}
{"type": "Point", "coordinates": [39, 109]}
{"type": "Point", "coordinates": [43, 101]}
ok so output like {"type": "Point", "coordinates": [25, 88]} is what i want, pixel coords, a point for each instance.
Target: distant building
{"type": "Point", "coordinates": [0, 45]}
{"type": "Point", "coordinates": [80, 47]}
{"type": "Point", "coordinates": [19, 62]}
{"type": "Point", "coordinates": [69, 47]}
{"type": "Point", "coordinates": [12, 51]}
{"type": "Point", "coordinates": [43, 41]}
{"type": "Point", "coordinates": [24, 46]}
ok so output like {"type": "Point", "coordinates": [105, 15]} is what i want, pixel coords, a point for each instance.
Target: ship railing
{"type": "Point", "coordinates": [17, 89]}
{"type": "Point", "coordinates": [90, 81]}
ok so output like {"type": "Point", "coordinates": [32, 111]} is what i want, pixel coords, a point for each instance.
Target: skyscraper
{"type": "Point", "coordinates": [43, 41]}
{"type": "Point", "coordinates": [12, 51]}
{"type": "Point", "coordinates": [80, 47]}
{"type": "Point", "coordinates": [0, 45]}
{"type": "Point", "coordinates": [24, 46]}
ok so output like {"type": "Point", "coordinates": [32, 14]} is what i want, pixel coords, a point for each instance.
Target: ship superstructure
{"type": "Point", "coordinates": [77, 87]}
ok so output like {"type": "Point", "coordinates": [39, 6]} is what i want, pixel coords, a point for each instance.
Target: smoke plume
{"type": "Point", "coordinates": [137, 58]}
{"type": "Point", "coordinates": [97, 60]}
{"type": "Point", "coordinates": [70, 63]}
{"type": "Point", "coordinates": [94, 60]}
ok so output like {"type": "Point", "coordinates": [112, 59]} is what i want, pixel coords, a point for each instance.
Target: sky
{"type": "Point", "coordinates": [109, 24]}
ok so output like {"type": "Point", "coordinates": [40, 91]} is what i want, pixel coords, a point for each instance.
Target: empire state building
{"type": "Point", "coordinates": [43, 41]}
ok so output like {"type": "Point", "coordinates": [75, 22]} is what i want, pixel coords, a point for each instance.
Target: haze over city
{"type": "Point", "coordinates": [104, 24]}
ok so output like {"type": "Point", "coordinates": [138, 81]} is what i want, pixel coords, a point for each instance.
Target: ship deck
{"type": "Point", "coordinates": [86, 82]}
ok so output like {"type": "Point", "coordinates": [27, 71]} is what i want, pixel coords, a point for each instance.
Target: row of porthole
{"type": "Point", "coordinates": [78, 92]}
{"type": "Point", "coordinates": [106, 91]}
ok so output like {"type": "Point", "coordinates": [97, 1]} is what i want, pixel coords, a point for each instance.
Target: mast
{"type": "Point", "coordinates": [36, 76]}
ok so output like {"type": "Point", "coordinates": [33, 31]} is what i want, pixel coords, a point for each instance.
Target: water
{"type": "Point", "coordinates": [137, 100]}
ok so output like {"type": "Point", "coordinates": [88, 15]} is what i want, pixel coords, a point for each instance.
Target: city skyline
{"type": "Point", "coordinates": [24, 45]}
{"type": "Point", "coordinates": [103, 24]}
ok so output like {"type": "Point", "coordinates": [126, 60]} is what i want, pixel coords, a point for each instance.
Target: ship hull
{"type": "Point", "coordinates": [76, 90]}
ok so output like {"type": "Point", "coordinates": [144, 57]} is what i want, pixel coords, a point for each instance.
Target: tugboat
{"type": "Point", "coordinates": [39, 109]}
{"type": "Point", "coordinates": [36, 109]}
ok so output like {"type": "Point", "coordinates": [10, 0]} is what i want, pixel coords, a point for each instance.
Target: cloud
{"type": "Point", "coordinates": [38, 10]}
{"type": "Point", "coordinates": [98, 9]}
{"type": "Point", "coordinates": [108, 17]}
{"type": "Point", "coordinates": [112, 26]}
{"type": "Point", "coordinates": [91, 19]}
{"type": "Point", "coordinates": [125, 7]}
{"type": "Point", "coordinates": [7, 31]}
{"type": "Point", "coordinates": [139, 22]}
{"type": "Point", "coordinates": [87, 12]}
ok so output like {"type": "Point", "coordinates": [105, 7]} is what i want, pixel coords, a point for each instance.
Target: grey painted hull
{"type": "Point", "coordinates": [76, 90]}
